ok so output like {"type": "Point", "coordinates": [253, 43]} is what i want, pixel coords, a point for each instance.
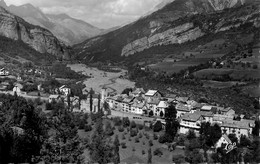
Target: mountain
{"type": "Point", "coordinates": [178, 23]}
{"type": "Point", "coordinates": [64, 27]}
{"type": "Point", "coordinates": [38, 38]}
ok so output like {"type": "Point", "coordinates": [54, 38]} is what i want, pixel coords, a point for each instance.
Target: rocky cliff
{"type": "Point", "coordinates": [180, 21]}
{"type": "Point", "coordinates": [40, 39]}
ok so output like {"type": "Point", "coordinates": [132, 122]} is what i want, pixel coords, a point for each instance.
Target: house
{"type": "Point", "coordinates": [182, 99]}
{"type": "Point", "coordinates": [65, 90]}
{"type": "Point", "coordinates": [242, 127]}
{"type": "Point", "coordinates": [223, 141]}
{"type": "Point", "coordinates": [3, 72]}
{"type": "Point", "coordinates": [161, 108]}
{"type": "Point", "coordinates": [182, 109]}
{"type": "Point", "coordinates": [227, 111]}
{"type": "Point", "coordinates": [139, 108]}
{"type": "Point", "coordinates": [137, 92]}
{"type": "Point", "coordinates": [151, 106]}
{"type": "Point", "coordinates": [152, 95]}
{"type": "Point", "coordinates": [207, 116]}
{"type": "Point", "coordinates": [190, 121]}
{"type": "Point", "coordinates": [206, 108]}
{"type": "Point", "coordinates": [126, 103]}
{"type": "Point", "coordinates": [54, 98]}
{"type": "Point", "coordinates": [18, 88]}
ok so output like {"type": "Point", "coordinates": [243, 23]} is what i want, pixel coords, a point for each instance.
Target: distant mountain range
{"type": "Point", "coordinates": [26, 34]}
{"type": "Point", "coordinates": [175, 23]}
{"type": "Point", "coordinates": [65, 28]}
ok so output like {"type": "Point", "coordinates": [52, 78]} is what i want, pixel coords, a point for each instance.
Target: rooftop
{"type": "Point", "coordinates": [191, 117]}
{"type": "Point", "coordinates": [151, 93]}
{"type": "Point", "coordinates": [163, 104]}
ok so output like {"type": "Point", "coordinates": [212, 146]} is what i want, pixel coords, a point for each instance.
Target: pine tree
{"type": "Point", "coordinates": [116, 159]}
{"type": "Point", "coordinates": [172, 124]}
{"type": "Point", "coordinates": [91, 92]}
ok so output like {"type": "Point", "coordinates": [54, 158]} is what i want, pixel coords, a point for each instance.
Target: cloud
{"type": "Point", "coordinates": [101, 13]}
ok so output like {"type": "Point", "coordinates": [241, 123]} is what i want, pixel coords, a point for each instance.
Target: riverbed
{"type": "Point", "coordinates": [99, 79]}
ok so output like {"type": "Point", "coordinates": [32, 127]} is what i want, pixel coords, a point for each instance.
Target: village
{"type": "Point", "coordinates": [140, 106]}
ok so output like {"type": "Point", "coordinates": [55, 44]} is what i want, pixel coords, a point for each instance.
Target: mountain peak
{"type": "Point", "coordinates": [3, 4]}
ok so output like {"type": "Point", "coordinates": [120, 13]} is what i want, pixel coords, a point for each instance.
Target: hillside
{"type": "Point", "coordinates": [38, 38]}
{"type": "Point", "coordinates": [67, 29]}
{"type": "Point", "coordinates": [179, 26]}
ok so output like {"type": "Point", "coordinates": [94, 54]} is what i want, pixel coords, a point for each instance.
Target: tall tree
{"type": "Point", "coordinates": [99, 102]}
{"type": "Point", "coordinates": [100, 150]}
{"type": "Point", "coordinates": [116, 159]}
{"type": "Point", "coordinates": [256, 129]}
{"type": "Point", "coordinates": [91, 92]}
{"type": "Point", "coordinates": [149, 160]}
{"type": "Point", "coordinates": [172, 124]}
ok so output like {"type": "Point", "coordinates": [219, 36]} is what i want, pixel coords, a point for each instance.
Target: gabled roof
{"type": "Point", "coordinates": [151, 93]}
{"type": "Point", "coordinates": [225, 109]}
{"type": "Point", "coordinates": [226, 138]}
{"type": "Point", "coordinates": [138, 91]}
{"type": "Point", "coordinates": [128, 99]}
{"type": "Point", "coordinates": [206, 107]}
{"type": "Point", "coordinates": [191, 117]}
{"type": "Point", "coordinates": [182, 107]}
{"type": "Point", "coordinates": [205, 113]}
{"type": "Point", "coordinates": [182, 99]}
{"type": "Point", "coordinates": [154, 102]}
{"type": "Point", "coordinates": [163, 104]}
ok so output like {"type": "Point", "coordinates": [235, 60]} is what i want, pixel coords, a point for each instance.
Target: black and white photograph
{"type": "Point", "coordinates": [129, 81]}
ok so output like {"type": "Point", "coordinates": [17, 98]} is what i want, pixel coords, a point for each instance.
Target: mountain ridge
{"type": "Point", "coordinates": [69, 30]}
{"type": "Point", "coordinates": [136, 37]}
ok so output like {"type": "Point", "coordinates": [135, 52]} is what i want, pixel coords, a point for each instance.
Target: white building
{"type": "Point", "coordinates": [223, 141]}
{"type": "Point", "coordinates": [3, 72]}
{"type": "Point", "coordinates": [65, 90]}
{"type": "Point", "coordinates": [152, 95]}
{"type": "Point", "coordinates": [190, 121]}
{"type": "Point", "coordinates": [161, 108]}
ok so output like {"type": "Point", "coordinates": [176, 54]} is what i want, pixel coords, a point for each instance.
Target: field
{"type": "Point", "coordinates": [241, 74]}
{"type": "Point", "coordinates": [100, 79]}
{"type": "Point", "coordinates": [133, 151]}
{"type": "Point", "coordinates": [171, 67]}
{"type": "Point", "coordinates": [219, 84]}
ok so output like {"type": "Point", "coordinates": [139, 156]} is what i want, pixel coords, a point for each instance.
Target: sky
{"type": "Point", "coordinates": [101, 13]}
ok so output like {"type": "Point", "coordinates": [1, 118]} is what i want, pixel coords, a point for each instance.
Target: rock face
{"type": "Point", "coordinates": [36, 37]}
{"type": "Point", "coordinates": [65, 28]}
{"type": "Point", "coordinates": [178, 22]}
{"type": "Point", "coordinates": [179, 34]}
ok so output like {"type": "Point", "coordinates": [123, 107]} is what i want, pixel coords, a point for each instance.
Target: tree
{"type": "Point", "coordinates": [172, 124]}
{"type": "Point", "coordinates": [161, 114]}
{"type": "Point", "coordinates": [91, 92]}
{"type": "Point", "coordinates": [116, 158]}
{"type": "Point", "coordinates": [99, 102]}
{"type": "Point", "coordinates": [149, 160]}
{"type": "Point", "coordinates": [157, 127]}
{"type": "Point", "coordinates": [109, 129]}
{"type": "Point", "coordinates": [191, 135]}
{"type": "Point", "coordinates": [100, 151]}
{"type": "Point", "coordinates": [151, 113]}
{"type": "Point", "coordinates": [256, 129]}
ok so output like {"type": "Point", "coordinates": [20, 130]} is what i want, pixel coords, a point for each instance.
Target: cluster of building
{"type": "Point", "coordinates": [190, 113]}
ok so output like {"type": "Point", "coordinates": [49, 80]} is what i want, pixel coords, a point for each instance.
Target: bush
{"type": "Point", "coordinates": [157, 126]}
{"type": "Point", "coordinates": [143, 143]}
{"type": "Point", "coordinates": [123, 137]}
{"type": "Point", "coordinates": [143, 152]}
{"type": "Point", "coordinates": [129, 139]}
{"type": "Point", "coordinates": [133, 124]}
{"type": "Point", "coordinates": [88, 128]}
{"type": "Point", "coordinates": [178, 159]}
{"type": "Point", "coordinates": [126, 122]}
{"type": "Point", "coordinates": [155, 136]}
{"type": "Point", "coordinates": [140, 127]}
{"type": "Point", "coordinates": [164, 138]}
{"type": "Point", "coordinates": [81, 125]}
{"type": "Point", "coordinates": [147, 136]}
{"type": "Point", "coordinates": [121, 129]}
{"type": "Point", "coordinates": [137, 140]}
{"type": "Point", "coordinates": [140, 135]}
{"type": "Point", "coordinates": [150, 143]}
{"type": "Point", "coordinates": [158, 152]}
{"type": "Point", "coordinates": [133, 133]}
{"type": "Point", "coordinates": [123, 145]}
{"type": "Point", "coordinates": [117, 121]}
{"type": "Point", "coordinates": [108, 129]}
